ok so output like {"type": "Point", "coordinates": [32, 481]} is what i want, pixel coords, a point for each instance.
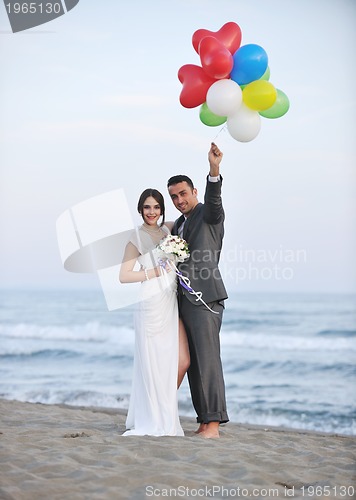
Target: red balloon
{"type": "Point", "coordinates": [196, 84]}
{"type": "Point", "coordinates": [215, 58]}
{"type": "Point", "coordinates": [229, 34]}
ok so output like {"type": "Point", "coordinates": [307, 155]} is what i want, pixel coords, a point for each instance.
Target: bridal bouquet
{"type": "Point", "coordinates": [173, 248]}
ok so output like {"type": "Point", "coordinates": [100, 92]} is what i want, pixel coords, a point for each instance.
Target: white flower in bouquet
{"type": "Point", "coordinates": [173, 248]}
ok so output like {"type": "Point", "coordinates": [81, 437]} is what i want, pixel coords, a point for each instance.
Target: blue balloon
{"type": "Point", "coordinates": [250, 63]}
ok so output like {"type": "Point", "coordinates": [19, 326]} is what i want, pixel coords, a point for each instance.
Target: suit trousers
{"type": "Point", "coordinates": [205, 374]}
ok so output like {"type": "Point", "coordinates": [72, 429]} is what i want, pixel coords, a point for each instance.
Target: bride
{"type": "Point", "coordinates": [161, 348]}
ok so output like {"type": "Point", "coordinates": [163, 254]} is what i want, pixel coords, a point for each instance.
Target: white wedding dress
{"type": "Point", "coordinates": [153, 408]}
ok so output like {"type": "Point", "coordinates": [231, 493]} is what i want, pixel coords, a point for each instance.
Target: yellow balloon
{"type": "Point", "coordinates": [259, 95]}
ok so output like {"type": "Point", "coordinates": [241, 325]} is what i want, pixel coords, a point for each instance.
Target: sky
{"type": "Point", "coordinates": [90, 103]}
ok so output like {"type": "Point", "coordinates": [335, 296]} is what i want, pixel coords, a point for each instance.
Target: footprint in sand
{"type": "Point", "coordinates": [76, 435]}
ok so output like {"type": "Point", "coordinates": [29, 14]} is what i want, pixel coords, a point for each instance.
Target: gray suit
{"type": "Point", "coordinates": [204, 231]}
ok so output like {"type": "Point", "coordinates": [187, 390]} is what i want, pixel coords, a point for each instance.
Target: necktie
{"type": "Point", "coordinates": [180, 229]}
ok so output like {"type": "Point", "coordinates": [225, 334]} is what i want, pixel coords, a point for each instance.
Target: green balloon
{"type": "Point", "coordinates": [266, 74]}
{"type": "Point", "coordinates": [279, 108]}
{"type": "Point", "coordinates": [209, 118]}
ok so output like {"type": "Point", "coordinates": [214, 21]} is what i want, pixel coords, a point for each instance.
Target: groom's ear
{"type": "Point", "coordinates": [195, 192]}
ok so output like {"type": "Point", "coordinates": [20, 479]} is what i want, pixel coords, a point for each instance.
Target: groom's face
{"type": "Point", "coordinates": [184, 197]}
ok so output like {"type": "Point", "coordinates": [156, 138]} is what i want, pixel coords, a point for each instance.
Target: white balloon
{"type": "Point", "coordinates": [224, 97]}
{"type": "Point", "coordinates": [245, 124]}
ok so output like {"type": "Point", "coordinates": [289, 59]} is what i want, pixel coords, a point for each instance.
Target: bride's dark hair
{"type": "Point", "coordinates": [157, 196]}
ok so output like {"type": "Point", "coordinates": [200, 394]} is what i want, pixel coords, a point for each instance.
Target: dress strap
{"type": "Point", "coordinates": [136, 240]}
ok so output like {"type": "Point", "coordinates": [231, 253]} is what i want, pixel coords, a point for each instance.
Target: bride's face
{"type": "Point", "coordinates": [151, 211]}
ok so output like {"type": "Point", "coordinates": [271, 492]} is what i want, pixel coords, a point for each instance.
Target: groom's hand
{"type": "Point", "coordinates": [215, 157]}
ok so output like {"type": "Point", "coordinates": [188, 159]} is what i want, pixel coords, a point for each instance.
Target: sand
{"type": "Point", "coordinates": [62, 452]}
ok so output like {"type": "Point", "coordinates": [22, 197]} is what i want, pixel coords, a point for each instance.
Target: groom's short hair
{"type": "Point", "coordinates": [176, 179]}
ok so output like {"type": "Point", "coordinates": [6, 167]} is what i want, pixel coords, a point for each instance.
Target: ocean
{"type": "Point", "coordinates": [289, 359]}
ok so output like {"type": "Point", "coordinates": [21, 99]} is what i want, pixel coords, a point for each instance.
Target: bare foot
{"type": "Point", "coordinates": [201, 429]}
{"type": "Point", "coordinates": [211, 431]}
{"type": "Point", "coordinates": [210, 434]}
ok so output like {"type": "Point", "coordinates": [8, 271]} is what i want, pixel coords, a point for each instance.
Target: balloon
{"type": "Point", "coordinates": [215, 58]}
{"type": "Point", "coordinates": [224, 97]}
{"type": "Point", "coordinates": [209, 118]}
{"type": "Point", "coordinates": [195, 85]}
{"type": "Point", "coordinates": [232, 84]}
{"type": "Point", "coordinates": [229, 35]}
{"type": "Point", "coordinates": [244, 125]}
{"type": "Point", "coordinates": [259, 95]}
{"type": "Point", "coordinates": [266, 74]}
{"type": "Point", "coordinates": [250, 63]}
{"type": "Point", "coordinates": [279, 108]}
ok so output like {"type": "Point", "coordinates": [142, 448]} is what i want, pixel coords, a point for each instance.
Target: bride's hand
{"type": "Point", "coordinates": [166, 266]}
{"type": "Point", "coordinates": [158, 271]}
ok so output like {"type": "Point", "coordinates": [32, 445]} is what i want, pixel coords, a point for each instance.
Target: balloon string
{"type": "Point", "coordinates": [185, 282]}
{"type": "Point", "coordinates": [222, 128]}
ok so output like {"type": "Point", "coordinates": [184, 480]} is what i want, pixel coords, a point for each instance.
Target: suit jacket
{"type": "Point", "coordinates": [204, 232]}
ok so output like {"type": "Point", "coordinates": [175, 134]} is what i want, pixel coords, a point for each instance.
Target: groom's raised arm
{"type": "Point", "coordinates": [214, 212]}
{"type": "Point", "coordinates": [214, 156]}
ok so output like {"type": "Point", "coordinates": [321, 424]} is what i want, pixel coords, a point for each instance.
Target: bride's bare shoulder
{"type": "Point", "coordinates": [169, 224]}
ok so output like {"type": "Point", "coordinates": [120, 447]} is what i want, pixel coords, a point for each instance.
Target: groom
{"type": "Point", "coordinates": [202, 226]}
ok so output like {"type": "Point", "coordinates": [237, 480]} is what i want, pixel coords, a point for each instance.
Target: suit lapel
{"type": "Point", "coordinates": [177, 224]}
{"type": "Point", "coordinates": [189, 223]}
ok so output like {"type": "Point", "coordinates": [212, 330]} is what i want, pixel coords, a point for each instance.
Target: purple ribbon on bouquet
{"type": "Point", "coordinates": [185, 282]}
{"type": "Point", "coordinates": [180, 276]}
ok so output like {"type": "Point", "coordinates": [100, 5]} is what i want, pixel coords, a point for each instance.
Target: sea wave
{"type": "Point", "coordinates": [286, 342]}
{"type": "Point", "coordinates": [73, 398]}
{"type": "Point", "coordinates": [97, 332]}
{"type": "Point", "coordinates": [338, 333]}
{"type": "Point", "coordinates": [249, 414]}
{"type": "Point", "coordinates": [18, 353]}
{"type": "Point", "coordinates": [327, 422]}
{"type": "Point", "coordinates": [91, 331]}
